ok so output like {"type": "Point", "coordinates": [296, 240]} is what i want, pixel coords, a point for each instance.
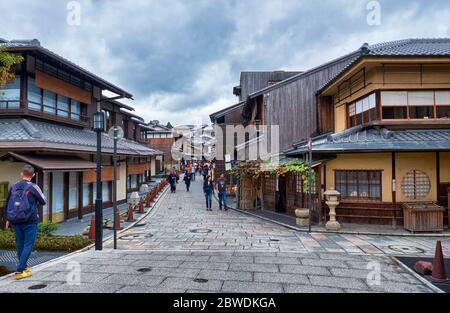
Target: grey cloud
{"type": "Point", "coordinates": [161, 51]}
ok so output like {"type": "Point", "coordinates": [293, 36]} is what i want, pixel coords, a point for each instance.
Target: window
{"type": "Point", "coordinates": [416, 185]}
{"type": "Point", "coordinates": [10, 95]}
{"type": "Point", "coordinates": [421, 105]}
{"type": "Point", "coordinates": [34, 95]}
{"type": "Point", "coordinates": [86, 199]}
{"type": "Point", "coordinates": [415, 104]}
{"type": "Point", "coordinates": [394, 104]}
{"type": "Point", "coordinates": [442, 104]}
{"type": "Point", "coordinates": [360, 184]}
{"type": "Point", "coordinates": [63, 106]}
{"type": "Point", "coordinates": [73, 190]}
{"type": "Point", "coordinates": [57, 192]}
{"type": "Point", "coordinates": [49, 102]}
{"type": "Point", "coordinates": [363, 111]}
{"type": "Point", "coordinates": [75, 109]}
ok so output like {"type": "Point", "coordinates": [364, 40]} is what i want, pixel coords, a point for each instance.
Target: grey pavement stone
{"type": "Point", "coordinates": [86, 288]}
{"type": "Point", "coordinates": [225, 275]}
{"type": "Point", "coordinates": [293, 288]}
{"type": "Point", "coordinates": [339, 282]}
{"type": "Point", "coordinates": [185, 283]}
{"type": "Point", "coordinates": [251, 287]}
{"type": "Point", "coordinates": [130, 280]}
{"type": "Point", "coordinates": [247, 267]}
{"type": "Point", "coordinates": [396, 287]}
{"type": "Point", "coordinates": [276, 260]}
{"type": "Point", "coordinates": [281, 278]}
{"type": "Point", "coordinates": [205, 265]}
{"type": "Point", "coordinates": [324, 263]}
{"type": "Point", "coordinates": [232, 259]}
{"type": "Point", "coordinates": [303, 269]}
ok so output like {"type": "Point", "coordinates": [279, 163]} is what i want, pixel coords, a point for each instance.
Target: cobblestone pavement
{"type": "Point", "coordinates": [180, 247]}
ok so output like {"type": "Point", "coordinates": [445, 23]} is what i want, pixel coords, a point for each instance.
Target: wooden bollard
{"type": "Point", "coordinates": [141, 206]}
{"type": "Point", "coordinates": [130, 217]}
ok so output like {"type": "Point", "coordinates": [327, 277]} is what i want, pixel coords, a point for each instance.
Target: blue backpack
{"type": "Point", "coordinates": [19, 210]}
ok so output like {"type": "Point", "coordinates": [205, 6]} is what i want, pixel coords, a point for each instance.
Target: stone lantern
{"type": "Point", "coordinates": [134, 199]}
{"type": "Point", "coordinates": [332, 197]}
{"type": "Point", "coordinates": [143, 188]}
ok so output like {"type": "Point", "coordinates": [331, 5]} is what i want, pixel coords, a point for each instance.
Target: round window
{"type": "Point", "coordinates": [416, 185]}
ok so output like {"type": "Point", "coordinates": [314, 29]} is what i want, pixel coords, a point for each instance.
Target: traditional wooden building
{"type": "Point", "coordinates": [390, 139]}
{"type": "Point", "coordinates": [45, 120]}
{"type": "Point", "coordinates": [379, 122]}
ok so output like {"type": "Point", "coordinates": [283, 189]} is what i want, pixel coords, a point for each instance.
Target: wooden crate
{"type": "Point", "coordinates": [423, 217]}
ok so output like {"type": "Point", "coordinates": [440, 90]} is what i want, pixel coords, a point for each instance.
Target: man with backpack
{"type": "Point", "coordinates": [22, 213]}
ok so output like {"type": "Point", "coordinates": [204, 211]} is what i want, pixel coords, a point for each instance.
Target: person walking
{"type": "Point", "coordinates": [208, 189]}
{"type": "Point", "coordinates": [22, 213]}
{"type": "Point", "coordinates": [173, 180]}
{"type": "Point", "coordinates": [193, 172]}
{"type": "Point", "coordinates": [222, 192]}
{"type": "Point", "coordinates": [187, 180]}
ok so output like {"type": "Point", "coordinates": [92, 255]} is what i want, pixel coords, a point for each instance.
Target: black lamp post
{"type": "Point", "coordinates": [99, 127]}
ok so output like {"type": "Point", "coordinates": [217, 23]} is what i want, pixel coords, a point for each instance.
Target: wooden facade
{"type": "Point", "coordinates": [57, 93]}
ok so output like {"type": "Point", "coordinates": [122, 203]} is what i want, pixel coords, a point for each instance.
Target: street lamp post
{"type": "Point", "coordinates": [99, 127]}
{"type": "Point", "coordinates": [115, 133]}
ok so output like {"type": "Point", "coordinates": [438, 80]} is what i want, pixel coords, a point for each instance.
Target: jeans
{"type": "Point", "coordinates": [25, 238]}
{"type": "Point", "coordinates": [223, 200]}
{"type": "Point", "coordinates": [208, 197]}
{"type": "Point", "coordinates": [193, 176]}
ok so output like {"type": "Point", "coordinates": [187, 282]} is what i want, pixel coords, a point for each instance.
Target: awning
{"type": "Point", "coordinates": [52, 162]}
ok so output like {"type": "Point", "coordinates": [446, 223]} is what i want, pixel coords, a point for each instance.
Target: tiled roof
{"type": "Point", "coordinates": [34, 44]}
{"type": "Point", "coordinates": [381, 139]}
{"type": "Point", "coordinates": [439, 47]}
{"type": "Point", "coordinates": [411, 47]}
{"type": "Point", "coordinates": [34, 134]}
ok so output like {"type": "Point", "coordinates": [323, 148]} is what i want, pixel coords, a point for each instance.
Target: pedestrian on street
{"type": "Point", "coordinates": [222, 192]}
{"type": "Point", "coordinates": [187, 180]}
{"type": "Point", "coordinates": [193, 173]}
{"type": "Point", "coordinates": [22, 213]}
{"type": "Point", "coordinates": [173, 180]}
{"type": "Point", "coordinates": [205, 172]}
{"type": "Point", "coordinates": [208, 189]}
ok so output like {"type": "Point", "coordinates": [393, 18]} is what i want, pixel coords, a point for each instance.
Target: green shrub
{"type": "Point", "coordinates": [46, 243]}
{"type": "Point", "coordinates": [47, 228]}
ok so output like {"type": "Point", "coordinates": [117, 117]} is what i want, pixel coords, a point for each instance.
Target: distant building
{"type": "Point", "coordinates": [159, 137]}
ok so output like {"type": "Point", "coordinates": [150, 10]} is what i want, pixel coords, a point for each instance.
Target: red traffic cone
{"type": "Point", "coordinates": [439, 274]}
{"type": "Point", "coordinates": [92, 228]}
{"type": "Point", "coordinates": [141, 206]}
{"type": "Point", "coordinates": [130, 217]}
{"type": "Point", "coordinates": [117, 224]}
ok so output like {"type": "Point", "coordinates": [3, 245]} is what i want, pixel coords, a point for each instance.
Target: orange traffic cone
{"type": "Point", "coordinates": [92, 228]}
{"type": "Point", "coordinates": [439, 274]}
{"type": "Point", "coordinates": [130, 217]}
{"type": "Point", "coordinates": [117, 224]}
{"type": "Point", "coordinates": [148, 200]}
{"type": "Point", "coordinates": [141, 206]}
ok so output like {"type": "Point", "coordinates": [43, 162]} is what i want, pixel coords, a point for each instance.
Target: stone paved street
{"type": "Point", "coordinates": [180, 247]}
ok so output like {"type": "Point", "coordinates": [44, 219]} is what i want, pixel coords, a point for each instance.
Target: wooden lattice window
{"type": "Point", "coordinates": [416, 185]}
{"type": "Point", "coordinates": [270, 183]}
{"type": "Point", "coordinates": [359, 184]}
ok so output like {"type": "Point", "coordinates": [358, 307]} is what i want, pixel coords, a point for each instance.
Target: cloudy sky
{"type": "Point", "coordinates": [181, 58]}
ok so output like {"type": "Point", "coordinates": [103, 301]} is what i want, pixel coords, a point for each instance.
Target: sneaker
{"type": "Point", "coordinates": [23, 275]}
{"type": "Point", "coordinates": [27, 269]}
